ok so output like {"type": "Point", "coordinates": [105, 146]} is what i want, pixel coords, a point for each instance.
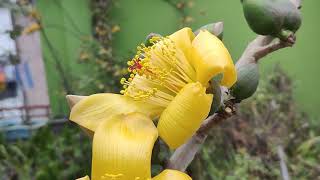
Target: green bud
{"type": "Point", "coordinates": [217, 95]}
{"type": "Point", "coordinates": [214, 28]}
{"type": "Point", "coordinates": [147, 41]}
{"type": "Point", "coordinates": [266, 17]}
{"type": "Point", "coordinates": [247, 82]}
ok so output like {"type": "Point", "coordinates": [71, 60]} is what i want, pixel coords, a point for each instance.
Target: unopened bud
{"type": "Point", "coordinates": [215, 89]}
{"type": "Point", "coordinates": [214, 28]}
{"type": "Point", "coordinates": [247, 82]}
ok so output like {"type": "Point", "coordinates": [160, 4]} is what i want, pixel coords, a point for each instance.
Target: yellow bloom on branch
{"type": "Point", "coordinates": [167, 80]}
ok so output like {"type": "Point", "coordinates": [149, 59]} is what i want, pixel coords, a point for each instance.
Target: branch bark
{"type": "Point", "coordinates": [260, 47]}
{"type": "Point", "coordinates": [283, 165]}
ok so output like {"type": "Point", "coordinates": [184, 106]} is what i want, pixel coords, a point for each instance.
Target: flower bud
{"type": "Point", "coordinates": [247, 83]}
{"type": "Point", "coordinates": [214, 28]}
{"type": "Point", "coordinates": [215, 89]}
{"type": "Point", "coordinates": [279, 18]}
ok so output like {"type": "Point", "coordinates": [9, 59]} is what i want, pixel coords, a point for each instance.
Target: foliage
{"type": "Point", "coordinates": [245, 146]}
{"type": "Point", "coordinates": [97, 50]}
{"type": "Point", "coordinates": [47, 155]}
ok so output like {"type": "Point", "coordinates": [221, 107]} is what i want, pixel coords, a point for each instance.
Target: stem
{"type": "Point", "coordinates": [284, 168]}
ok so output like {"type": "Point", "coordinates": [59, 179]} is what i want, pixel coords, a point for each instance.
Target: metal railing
{"type": "Point", "coordinates": [25, 112]}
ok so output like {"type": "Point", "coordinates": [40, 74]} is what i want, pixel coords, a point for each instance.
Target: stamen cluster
{"type": "Point", "coordinates": [148, 63]}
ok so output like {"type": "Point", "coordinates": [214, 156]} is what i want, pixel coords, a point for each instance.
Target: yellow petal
{"type": "Point", "coordinates": [122, 147]}
{"type": "Point", "coordinates": [84, 178]}
{"type": "Point", "coordinates": [90, 111]}
{"type": "Point", "coordinates": [184, 114]}
{"type": "Point", "coordinates": [183, 40]}
{"type": "Point", "coordinates": [210, 58]}
{"type": "Point", "coordinates": [169, 174]}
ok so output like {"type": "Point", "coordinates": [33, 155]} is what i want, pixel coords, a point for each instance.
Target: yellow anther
{"type": "Point", "coordinates": [154, 89]}
{"type": "Point", "coordinates": [123, 80]}
{"type": "Point", "coordinates": [157, 64]}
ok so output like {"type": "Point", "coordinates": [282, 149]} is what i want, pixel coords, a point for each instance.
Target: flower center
{"type": "Point", "coordinates": [157, 72]}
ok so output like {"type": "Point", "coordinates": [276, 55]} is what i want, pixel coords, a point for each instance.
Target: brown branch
{"type": "Point", "coordinates": [283, 165]}
{"type": "Point", "coordinates": [256, 49]}
{"type": "Point", "coordinates": [262, 46]}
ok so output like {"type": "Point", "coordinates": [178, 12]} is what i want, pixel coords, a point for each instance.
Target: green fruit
{"type": "Point", "coordinates": [272, 17]}
{"type": "Point", "coordinates": [292, 20]}
{"type": "Point", "coordinates": [216, 91]}
{"type": "Point", "coordinates": [247, 83]}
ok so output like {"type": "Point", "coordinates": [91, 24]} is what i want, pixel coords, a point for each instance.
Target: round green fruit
{"type": "Point", "coordinates": [292, 19]}
{"type": "Point", "coordinates": [247, 82]}
{"type": "Point", "coordinates": [272, 17]}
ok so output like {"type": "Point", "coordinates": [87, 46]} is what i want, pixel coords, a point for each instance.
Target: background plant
{"type": "Point", "coordinates": [64, 154]}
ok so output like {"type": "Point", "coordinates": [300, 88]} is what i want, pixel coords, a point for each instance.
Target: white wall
{"type": "Point", "coordinates": [7, 45]}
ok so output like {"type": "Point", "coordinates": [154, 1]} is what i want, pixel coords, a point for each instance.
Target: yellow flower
{"type": "Point", "coordinates": [34, 14]}
{"type": "Point", "coordinates": [115, 28]}
{"type": "Point", "coordinates": [31, 28]}
{"type": "Point", "coordinates": [167, 80]}
{"type": "Point", "coordinates": [122, 147]}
